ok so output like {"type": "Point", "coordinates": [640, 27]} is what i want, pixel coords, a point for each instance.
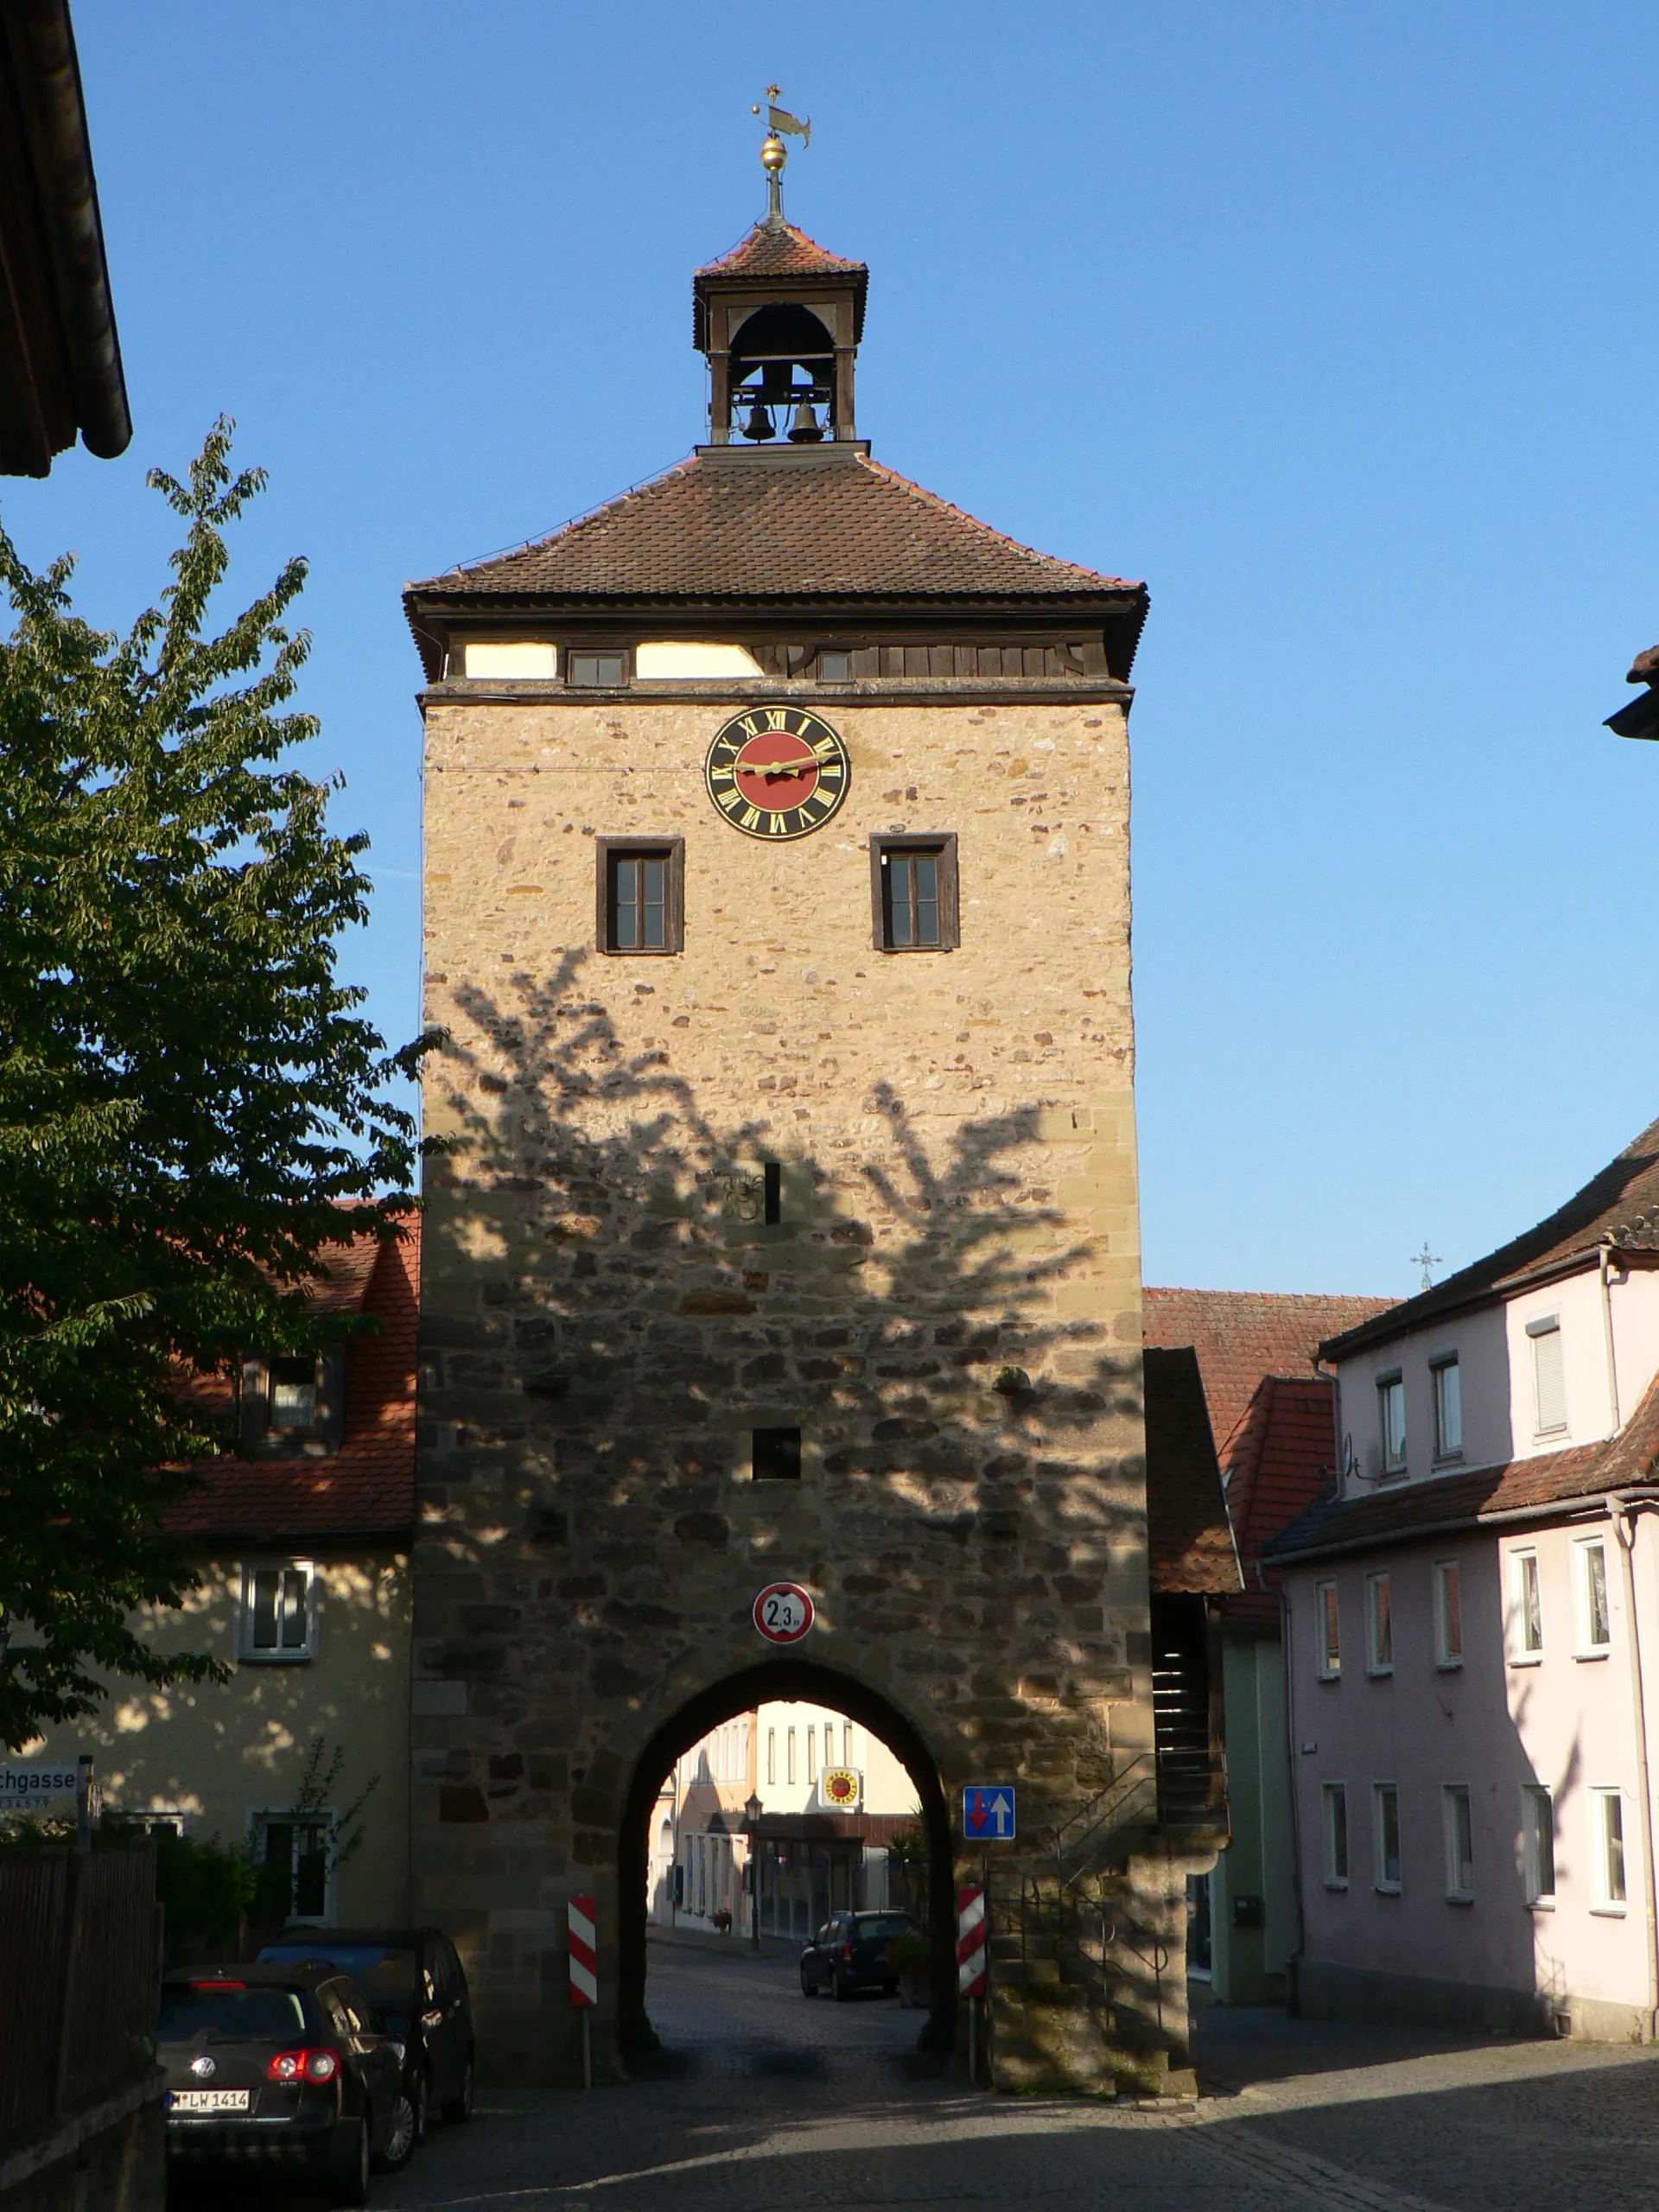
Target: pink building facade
{"type": "Point", "coordinates": [1472, 1641]}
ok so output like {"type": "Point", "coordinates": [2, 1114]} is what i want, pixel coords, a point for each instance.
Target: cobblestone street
{"type": "Point", "coordinates": [762, 2098]}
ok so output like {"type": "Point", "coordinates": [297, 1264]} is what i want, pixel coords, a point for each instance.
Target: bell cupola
{"type": "Point", "coordinates": [779, 321]}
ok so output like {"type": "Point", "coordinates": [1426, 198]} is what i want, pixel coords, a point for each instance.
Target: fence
{"type": "Point", "coordinates": [79, 1957]}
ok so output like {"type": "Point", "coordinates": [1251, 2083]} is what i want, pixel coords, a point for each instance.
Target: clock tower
{"type": "Point", "coordinates": [786, 1233]}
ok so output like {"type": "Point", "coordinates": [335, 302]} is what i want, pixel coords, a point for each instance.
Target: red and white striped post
{"type": "Point", "coordinates": [583, 1942]}
{"type": "Point", "coordinates": [970, 1963]}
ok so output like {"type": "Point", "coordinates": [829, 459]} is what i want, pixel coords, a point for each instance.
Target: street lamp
{"type": "Point", "coordinates": [751, 1811]}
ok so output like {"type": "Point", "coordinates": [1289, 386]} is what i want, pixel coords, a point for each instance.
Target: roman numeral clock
{"type": "Point", "coordinates": [777, 771]}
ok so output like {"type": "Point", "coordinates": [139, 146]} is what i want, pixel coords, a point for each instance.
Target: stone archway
{"type": "Point", "coordinates": [783, 1677]}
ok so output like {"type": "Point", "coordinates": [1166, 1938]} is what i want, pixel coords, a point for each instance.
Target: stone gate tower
{"type": "Point", "coordinates": [777, 910]}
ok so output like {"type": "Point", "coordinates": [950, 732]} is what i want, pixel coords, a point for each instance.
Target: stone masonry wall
{"type": "Point", "coordinates": [605, 1320]}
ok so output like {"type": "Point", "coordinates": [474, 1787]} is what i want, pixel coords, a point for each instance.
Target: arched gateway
{"type": "Point", "coordinates": [777, 910]}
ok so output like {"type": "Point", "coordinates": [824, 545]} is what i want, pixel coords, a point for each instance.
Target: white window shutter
{"type": "Point", "coordinates": [1548, 1380]}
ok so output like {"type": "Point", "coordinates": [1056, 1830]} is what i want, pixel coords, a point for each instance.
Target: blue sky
{"type": "Point", "coordinates": [1335, 323]}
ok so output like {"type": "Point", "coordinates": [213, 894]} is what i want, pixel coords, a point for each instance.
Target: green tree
{"type": "Point", "coordinates": [190, 1106]}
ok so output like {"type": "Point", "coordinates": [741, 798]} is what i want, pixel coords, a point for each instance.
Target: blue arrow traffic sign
{"type": "Point", "coordinates": [987, 1810]}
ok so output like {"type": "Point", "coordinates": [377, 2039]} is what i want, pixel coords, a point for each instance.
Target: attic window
{"type": "Point", "coordinates": [834, 664]}
{"type": "Point", "coordinates": [294, 1403]}
{"type": "Point", "coordinates": [598, 669]}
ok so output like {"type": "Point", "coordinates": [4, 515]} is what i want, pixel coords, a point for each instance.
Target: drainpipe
{"type": "Point", "coordinates": [1622, 1511]}
{"type": "Point", "coordinates": [1294, 1963]}
{"type": "Point", "coordinates": [1603, 1253]}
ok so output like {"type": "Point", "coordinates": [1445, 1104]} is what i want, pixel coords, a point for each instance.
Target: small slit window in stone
{"type": "Point", "coordinates": [913, 894]}
{"type": "Point", "coordinates": [774, 1190]}
{"type": "Point", "coordinates": [589, 668]}
{"type": "Point", "coordinates": [776, 1455]}
{"type": "Point", "coordinates": [640, 895]}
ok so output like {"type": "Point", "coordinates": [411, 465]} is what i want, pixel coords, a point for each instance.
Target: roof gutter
{"type": "Point", "coordinates": [46, 74]}
{"type": "Point", "coordinates": [1498, 1293]}
{"type": "Point", "coordinates": [1565, 1508]}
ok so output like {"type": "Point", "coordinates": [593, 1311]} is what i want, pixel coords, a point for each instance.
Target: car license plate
{"type": "Point", "coordinates": [207, 2101]}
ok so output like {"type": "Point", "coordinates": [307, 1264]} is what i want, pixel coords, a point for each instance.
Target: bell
{"type": "Point", "coordinates": [804, 430]}
{"type": "Point", "coordinates": [760, 424]}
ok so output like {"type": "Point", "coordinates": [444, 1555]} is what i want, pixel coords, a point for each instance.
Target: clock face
{"type": "Point", "coordinates": [777, 771]}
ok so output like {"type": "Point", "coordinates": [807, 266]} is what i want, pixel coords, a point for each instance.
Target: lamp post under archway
{"type": "Point", "coordinates": [751, 1811]}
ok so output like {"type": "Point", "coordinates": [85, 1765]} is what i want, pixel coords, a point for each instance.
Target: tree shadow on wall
{"type": "Point", "coordinates": [609, 1315]}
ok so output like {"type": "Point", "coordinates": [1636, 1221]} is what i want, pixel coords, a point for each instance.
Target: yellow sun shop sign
{"type": "Point", "coordinates": [841, 1787]}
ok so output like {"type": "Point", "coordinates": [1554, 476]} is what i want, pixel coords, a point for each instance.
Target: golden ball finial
{"type": "Point", "coordinates": [772, 156]}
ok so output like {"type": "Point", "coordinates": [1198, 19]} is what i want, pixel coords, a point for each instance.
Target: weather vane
{"type": "Point", "coordinates": [779, 122]}
{"type": "Point", "coordinates": [1426, 1259]}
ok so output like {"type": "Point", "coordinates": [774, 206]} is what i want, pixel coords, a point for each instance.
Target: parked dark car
{"type": "Point", "coordinates": [278, 2065]}
{"type": "Point", "coordinates": [851, 1951]}
{"type": "Point", "coordinates": [417, 1994]}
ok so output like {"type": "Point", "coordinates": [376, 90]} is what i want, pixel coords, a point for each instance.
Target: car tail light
{"type": "Point", "coordinates": [302, 2066]}
{"type": "Point", "coordinates": [846, 1947]}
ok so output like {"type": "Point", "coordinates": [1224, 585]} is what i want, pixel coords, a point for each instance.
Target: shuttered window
{"type": "Point", "coordinates": [1549, 1382]}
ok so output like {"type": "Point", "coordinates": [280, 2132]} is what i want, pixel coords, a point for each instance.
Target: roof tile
{"type": "Point", "coordinates": [367, 1487]}
{"type": "Point", "coordinates": [1241, 1335]}
{"type": "Point", "coordinates": [779, 250]}
{"type": "Point", "coordinates": [844, 527]}
{"type": "Point", "coordinates": [1187, 1532]}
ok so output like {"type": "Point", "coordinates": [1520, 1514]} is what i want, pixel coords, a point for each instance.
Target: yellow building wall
{"type": "Point", "coordinates": [219, 1752]}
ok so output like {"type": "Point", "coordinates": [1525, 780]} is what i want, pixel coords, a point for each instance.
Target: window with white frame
{"type": "Point", "coordinates": [279, 1611]}
{"type": "Point", "coordinates": [1457, 1818]}
{"type": "Point", "coordinates": [1391, 1421]}
{"type": "Point", "coordinates": [1548, 1377]}
{"type": "Point", "coordinates": [789, 1746]}
{"type": "Point", "coordinates": [1448, 1613]}
{"type": "Point", "coordinates": [1379, 1626]}
{"type": "Point", "coordinates": [1385, 1836]}
{"type": "Point", "coordinates": [1538, 1844]}
{"type": "Point", "coordinates": [1330, 1630]}
{"type": "Point", "coordinates": [1607, 1815]}
{"type": "Point", "coordinates": [772, 1755]}
{"type": "Point", "coordinates": [1446, 1378]}
{"type": "Point", "coordinates": [1333, 1809]}
{"type": "Point", "coordinates": [1526, 1609]}
{"type": "Point", "coordinates": [1595, 1620]}
{"type": "Point", "coordinates": [296, 1850]}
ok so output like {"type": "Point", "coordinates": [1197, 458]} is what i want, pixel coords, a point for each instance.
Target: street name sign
{"type": "Point", "coordinates": [988, 1811]}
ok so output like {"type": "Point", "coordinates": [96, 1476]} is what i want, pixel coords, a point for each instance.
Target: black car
{"type": "Point", "coordinates": [278, 2065]}
{"type": "Point", "coordinates": [417, 1995]}
{"type": "Point", "coordinates": [851, 1951]}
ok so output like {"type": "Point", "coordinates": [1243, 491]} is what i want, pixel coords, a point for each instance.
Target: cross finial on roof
{"type": "Point", "coordinates": [1426, 1259]}
{"type": "Point", "coordinates": [773, 152]}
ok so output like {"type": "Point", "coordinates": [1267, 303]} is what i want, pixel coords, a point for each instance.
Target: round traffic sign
{"type": "Point", "coordinates": [783, 1612]}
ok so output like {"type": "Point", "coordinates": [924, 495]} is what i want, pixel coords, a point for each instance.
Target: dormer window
{"type": "Point", "coordinates": [293, 1404]}
{"type": "Point", "coordinates": [294, 1397]}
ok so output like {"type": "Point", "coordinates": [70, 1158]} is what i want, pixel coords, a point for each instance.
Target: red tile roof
{"type": "Point", "coordinates": [1187, 1535]}
{"type": "Point", "coordinates": [1241, 1335]}
{"type": "Point", "coordinates": [1619, 1206]}
{"type": "Point", "coordinates": [1281, 1463]}
{"type": "Point", "coordinates": [780, 250]}
{"type": "Point", "coordinates": [838, 526]}
{"type": "Point", "coordinates": [367, 1487]}
{"type": "Point", "coordinates": [1551, 1479]}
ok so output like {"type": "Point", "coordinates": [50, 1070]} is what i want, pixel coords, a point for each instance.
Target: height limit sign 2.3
{"type": "Point", "coordinates": [988, 1812]}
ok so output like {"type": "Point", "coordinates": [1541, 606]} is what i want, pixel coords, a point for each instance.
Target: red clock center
{"type": "Point", "coordinates": [775, 770]}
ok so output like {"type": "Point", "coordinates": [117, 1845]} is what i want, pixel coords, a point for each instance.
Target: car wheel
{"type": "Point", "coordinates": [460, 2108]}
{"type": "Point", "coordinates": [809, 1988]}
{"type": "Point", "coordinates": [406, 2129]}
{"type": "Point", "coordinates": [352, 2175]}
